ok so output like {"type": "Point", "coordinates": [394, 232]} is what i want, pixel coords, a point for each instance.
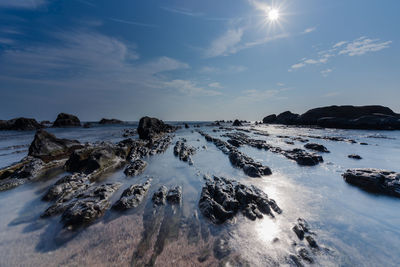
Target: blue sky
{"type": "Point", "coordinates": [195, 60]}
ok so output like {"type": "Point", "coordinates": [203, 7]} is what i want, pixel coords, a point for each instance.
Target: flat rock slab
{"type": "Point", "coordinates": [375, 180]}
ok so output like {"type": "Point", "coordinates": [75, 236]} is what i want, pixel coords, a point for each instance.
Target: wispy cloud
{"type": "Point", "coordinates": [331, 94]}
{"type": "Point", "coordinates": [182, 11]}
{"type": "Point", "coordinates": [309, 30]}
{"type": "Point", "coordinates": [6, 41]}
{"type": "Point", "coordinates": [358, 47]}
{"type": "Point", "coordinates": [86, 59]}
{"type": "Point", "coordinates": [191, 88]}
{"type": "Point", "coordinates": [253, 95]}
{"type": "Point", "coordinates": [225, 44]}
{"type": "Point", "coordinates": [215, 85]}
{"type": "Point", "coordinates": [231, 69]}
{"type": "Point", "coordinates": [326, 72]}
{"type": "Point", "coordinates": [28, 4]}
{"type": "Point", "coordinates": [133, 23]}
{"type": "Point", "coordinates": [363, 45]}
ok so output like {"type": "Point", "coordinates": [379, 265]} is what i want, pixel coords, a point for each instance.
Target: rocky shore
{"type": "Point", "coordinates": [342, 117]}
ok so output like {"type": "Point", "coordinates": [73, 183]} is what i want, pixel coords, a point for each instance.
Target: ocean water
{"type": "Point", "coordinates": [356, 227]}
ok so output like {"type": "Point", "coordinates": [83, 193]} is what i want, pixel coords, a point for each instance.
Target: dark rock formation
{"type": "Point", "coordinates": [221, 199]}
{"type": "Point", "coordinates": [110, 121]}
{"type": "Point", "coordinates": [374, 180]}
{"type": "Point", "coordinates": [47, 147]}
{"type": "Point", "coordinates": [237, 123]}
{"type": "Point", "coordinates": [160, 196]}
{"type": "Point", "coordinates": [151, 127]}
{"type": "Point", "coordinates": [343, 117]}
{"type": "Point", "coordinates": [270, 119]}
{"type": "Point", "coordinates": [287, 118]}
{"type": "Point", "coordinates": [129, 132]}
{"type": "Point", "coordinates": [135, 167]}
{"type": "Point", "coordinates": [184, 151]}
{"type": "Point", "coordinates": [20, 124]}
{"type": "Point", "coordinates": [238, 159]}
{"type": "Point", "coordinates": [89, 206]}
{"type": "Point", "coordinates": [186, 126]}
{"type": "Point", "coordinates": [301, 156]}
{"type": "Point", "coordinates": [132, 196]}
{"type": "Point", "coordinates": [174, 195]}
{"type": "Point", "coordinates": [28, 169]}
{"type": "Point", "coordinates": [66, 120]}
{"type": "Point", "coordinates": [96, 157]}
{"type": "Point", "coordinates": [354, 156]}
{"type": "Point", "coordinates": [316, 147]}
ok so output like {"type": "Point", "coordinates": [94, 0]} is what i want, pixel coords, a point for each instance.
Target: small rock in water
{"type": "Point", "coordinates": [316, 147]}
{"type": "Point", "coordinates": [354, 156]}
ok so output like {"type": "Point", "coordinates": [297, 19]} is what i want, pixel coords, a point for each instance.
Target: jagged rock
{"type": "Point", "coordinates": [20, 124]}
{"type": "Point", "coordinates": [299, 155]}
{"type": "Point", "coordinates": [89, 206]}
{"type": "Point", "coordinates": [184, 151]}
{"type": "Point", "coordinates": [66, 187]}
{"type": "Point", "coordinates": [160, 196]}
{"type": "Point", "coordinates": [237, 123]}
{"type": "Point", "coordinates": [136, 167]}
{"type": "Point", "coordinates": [222, 198]}
{"type": "Point", "coordinates": [186, 126]}
{"type": "Point", "coordinates": [151, 127]}
{"type": "Point", "coordinates": [174, 195]}
{"type": "Point", "coordinates": [354, 156]}
{"type": "Point", "coordinates": [110, 121]}
{"type": "Point", "coordinates": [48, 147]}
{"type": "Point", "coordinates": [375, 180]}
{"type": "Point", "coordinates": [305, 255]}
{"type": "Point", "coordinates": [316, 147]}
{"type": "Point", "coordinates": [66, 120]}
{"type": "Point", "coordinates": [237, 158]}
{"type": "Point", "coordinates": [132, 196]}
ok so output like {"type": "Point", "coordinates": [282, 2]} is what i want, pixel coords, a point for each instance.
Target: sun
{"type": "Point", "coordinates": [273, 14]}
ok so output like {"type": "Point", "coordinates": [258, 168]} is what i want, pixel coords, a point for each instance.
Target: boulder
{"type": "Point", "coordinates": [374, 180]}
{"type": "Point", "coordinates": [47, 147]}
{"type": "Point", "coordinates": [287, 118]}
{"type": "Point", "coordinates": [20, 124]}
{"type": "Point", "coordinates": [270, 119]}
{"type": "Point", "coordinates": [152, 127]}
{"type": "Point", "coordinates": [93, 158]}
{"type": "Point", "coordinates": [110, 121]}
{"type": "Point", "coordinates": [66, 120]}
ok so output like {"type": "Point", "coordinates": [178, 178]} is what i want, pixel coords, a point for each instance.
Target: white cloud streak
{"type": "Point", "coordinates": [24, 4]}
{"type": "Point", "coordinates": [357, 47]}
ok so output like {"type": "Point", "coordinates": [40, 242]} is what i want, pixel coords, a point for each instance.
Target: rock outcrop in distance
{"type": "Point", "coordinates": [341, 117]}
{"type": "Point", "coordinates": [110, 121]}
{"type": "Point", "coordinates": [151, 127]}
{"type": "Point", "coordinates": [20, 124]}
{"type": "Point", "coordinates": [66, 120]}
{"type": "Point", "coordinates": [374, 180]}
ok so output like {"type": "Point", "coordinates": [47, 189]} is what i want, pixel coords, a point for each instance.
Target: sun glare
{"type": "Point", "coordinates": [273, 14]}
